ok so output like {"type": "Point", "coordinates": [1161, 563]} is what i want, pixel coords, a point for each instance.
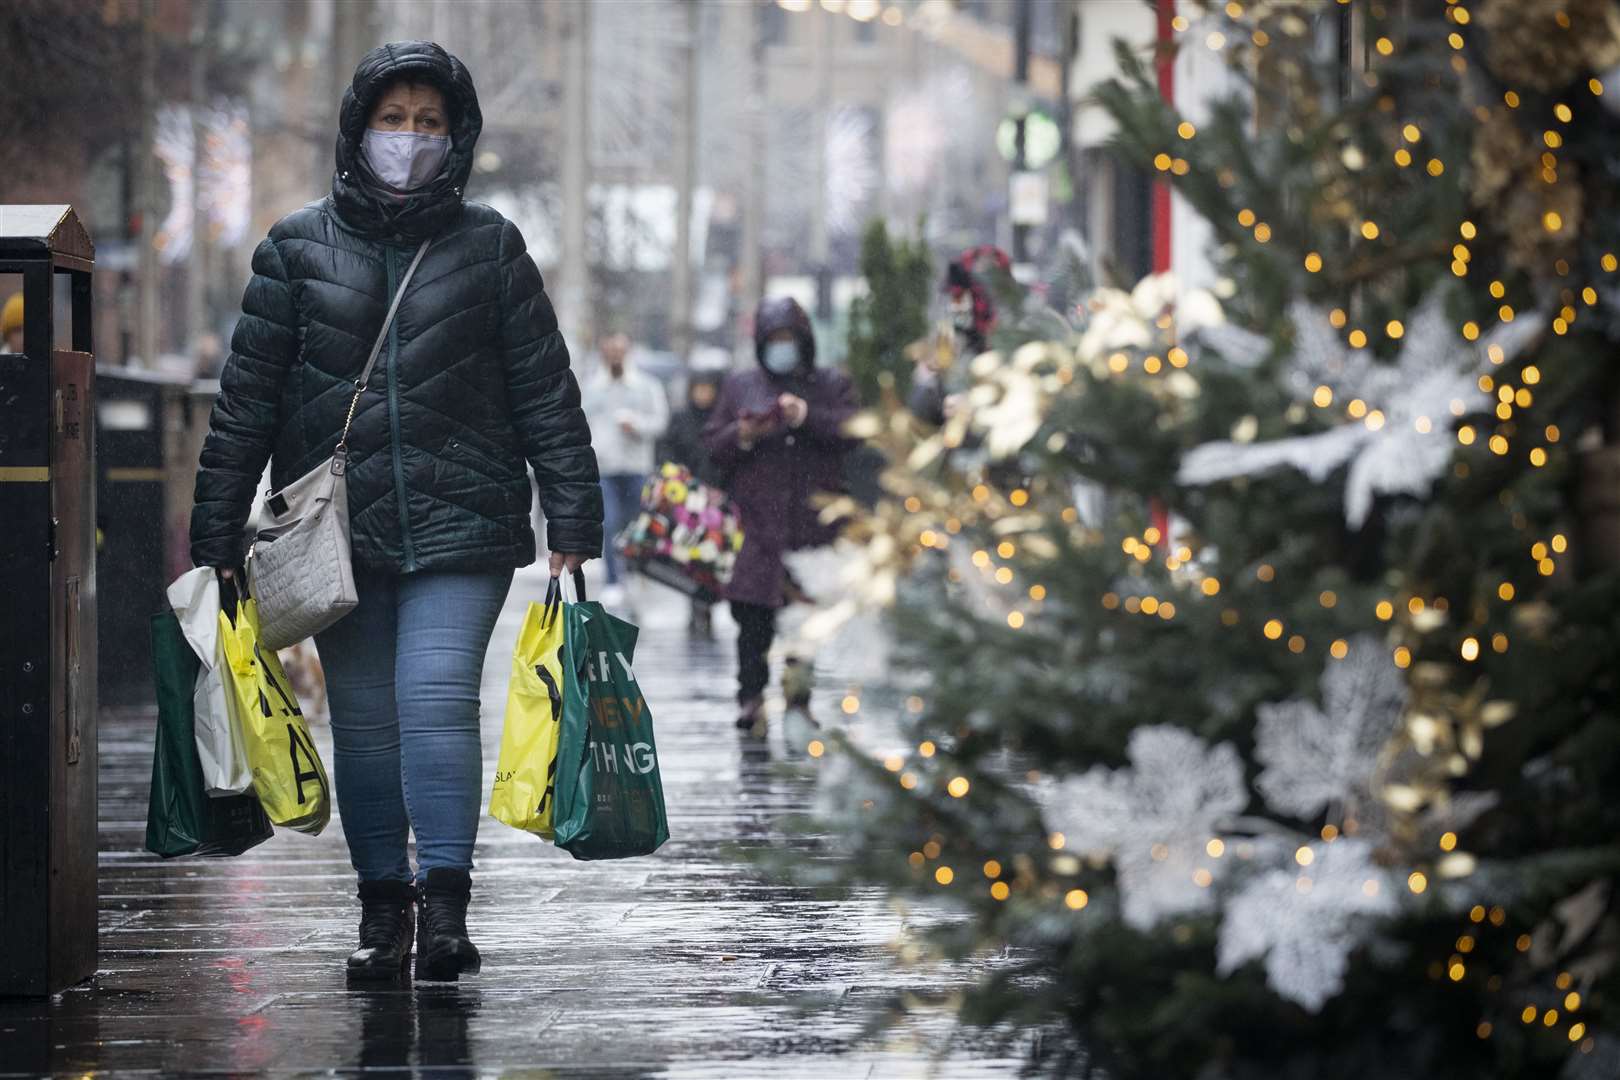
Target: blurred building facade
{"type": "Point", "coordinates": [757, 137]}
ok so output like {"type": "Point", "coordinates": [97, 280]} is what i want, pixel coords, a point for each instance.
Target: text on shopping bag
{"type": "Point", "coordinates": [614, 710]}
{"type": "Point", "coordinates": [298, 743]}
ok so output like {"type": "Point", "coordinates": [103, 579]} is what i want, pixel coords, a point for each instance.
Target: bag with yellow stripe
{"type": "Point", "coordinates": [525, 791]}
{"type": "Point", "coordinates": [288, 776]}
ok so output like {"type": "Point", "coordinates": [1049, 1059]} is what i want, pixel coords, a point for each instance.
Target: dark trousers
{"type": "Point", "coordinates": [756, 630]}
{"type": "Point", "coordinates": [621, 502]}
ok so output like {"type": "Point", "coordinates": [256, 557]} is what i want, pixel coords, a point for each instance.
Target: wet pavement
{"type": "Point", "coordinates": [691, 962]}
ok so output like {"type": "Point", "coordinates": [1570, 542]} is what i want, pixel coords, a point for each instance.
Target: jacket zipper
{"type": "Point", "coordinates": [393, 419]}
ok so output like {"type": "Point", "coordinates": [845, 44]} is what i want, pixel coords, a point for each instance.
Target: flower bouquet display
{"type": "Point", "coordinates": [687, 535]}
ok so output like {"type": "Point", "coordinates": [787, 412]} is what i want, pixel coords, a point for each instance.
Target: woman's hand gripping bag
{"type": "Point", "coordinates": [525, 792]}
{"type": "Point", "coordinates": [288, 776]}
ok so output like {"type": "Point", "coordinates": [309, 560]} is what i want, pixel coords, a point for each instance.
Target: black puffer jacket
{"type": "Point", "coordinates": [473, 380]}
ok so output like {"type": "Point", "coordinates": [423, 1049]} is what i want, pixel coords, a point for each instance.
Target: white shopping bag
{"type": "Point", "coordinates": [194, 596]}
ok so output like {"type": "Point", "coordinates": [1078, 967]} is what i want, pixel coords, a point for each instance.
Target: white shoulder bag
{"type": "Point", "coordinates": [299, 569]}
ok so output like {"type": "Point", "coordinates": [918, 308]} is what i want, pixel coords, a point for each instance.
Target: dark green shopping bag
{"type": "Point", "coordinates": [181, 819]}
{"type": "Point", "coordinates": [610, 799]}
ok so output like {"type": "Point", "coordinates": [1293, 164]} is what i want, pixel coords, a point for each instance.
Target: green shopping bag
{"type": "Point", "coordinates": [181, 819]}
{"type": "Point", "coordinates": [610, 799]}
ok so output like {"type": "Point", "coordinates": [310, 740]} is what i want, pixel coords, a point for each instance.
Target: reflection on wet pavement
{"type": "Point", "coordinates": [687, 963]}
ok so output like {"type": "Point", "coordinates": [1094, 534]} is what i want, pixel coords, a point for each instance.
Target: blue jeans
{"type": "Point", "coordinates": [621, 502]}
{"type": "Point", "coordinates": [402, 676]}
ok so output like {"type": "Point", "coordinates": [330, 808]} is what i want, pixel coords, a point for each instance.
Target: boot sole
{"type": "Point", "coordinates": [398, 974]}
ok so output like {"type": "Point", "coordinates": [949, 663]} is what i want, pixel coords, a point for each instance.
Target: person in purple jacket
{"type": "Point", "coordinates": [777, 433]}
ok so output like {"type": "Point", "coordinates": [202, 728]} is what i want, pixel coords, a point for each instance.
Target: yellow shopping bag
{"type": "Point", "coordinates": [525, 791]}
{"type": "Point", "coordinates": [288, 776]}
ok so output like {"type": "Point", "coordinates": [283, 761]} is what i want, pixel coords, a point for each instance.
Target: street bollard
{"type": "Point", "coordinates": [48, 614]}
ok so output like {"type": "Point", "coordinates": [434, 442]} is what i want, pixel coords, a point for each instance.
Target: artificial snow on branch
{"type": "Point", "coordinates": [1155, 819]}
{"type": "Point", "coordinates": [1402, 444]}
{"type": "Point", "coordinates": [1306, 920]}
{"type": "Point", "coordinates": [1314, 756]}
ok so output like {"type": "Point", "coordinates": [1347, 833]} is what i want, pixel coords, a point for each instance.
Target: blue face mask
{"type": "Point", "coordinates": [782, 357]}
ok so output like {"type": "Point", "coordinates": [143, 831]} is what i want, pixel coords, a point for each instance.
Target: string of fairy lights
{"type": "Point", "coordinates": [1513, 398]}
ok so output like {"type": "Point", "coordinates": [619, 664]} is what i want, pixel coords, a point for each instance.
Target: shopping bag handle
{"type": "Point", "coordinates": [554, 596]}
{"type": "Point", "coordinates": [555, 588]}
{"type": "Point", "coordinates": [232, 591]}
{"type": "Point", "coordinates": [553, 603]}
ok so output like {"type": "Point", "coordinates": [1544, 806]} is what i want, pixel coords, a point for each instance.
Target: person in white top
{"type": "Point", "coordinates": [628, 411]}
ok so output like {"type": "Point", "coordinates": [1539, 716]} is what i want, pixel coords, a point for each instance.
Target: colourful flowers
{"type": "Point", "coordinates": [686, 524]}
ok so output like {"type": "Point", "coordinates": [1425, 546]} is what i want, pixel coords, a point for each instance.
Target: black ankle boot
{"type": "Point", "coordinates": [387, 913]}
{"type": "Point", "coordinates": [751, 716]}
{"type": "Point", "coordinates": [443, 951]}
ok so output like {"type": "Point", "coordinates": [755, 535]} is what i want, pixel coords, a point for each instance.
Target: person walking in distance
{"type": "Point", "coordinates": [471, 389]}
{"type": "Point", "coordinates": [628, 412]}
{"type": "Point", "coordinates": [777, 430]}
{"type": "Point", "coordinates": [683, 444]}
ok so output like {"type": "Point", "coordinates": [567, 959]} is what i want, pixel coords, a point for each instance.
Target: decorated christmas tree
{"type": "Point", "coordinates": [1256, 647]}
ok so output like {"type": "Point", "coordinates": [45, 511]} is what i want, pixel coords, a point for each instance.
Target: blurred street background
{"type": "Point", "coordinates": [760, 138]}
{"type": "Point", "coordinates": [834, 151]}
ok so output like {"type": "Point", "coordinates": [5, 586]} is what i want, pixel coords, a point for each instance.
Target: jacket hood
{"type": "Point", "coordinates": [784, 313]}
{"type": "Point", "coordinates": [364, 202]}
{"type": "Point", "coordinates": [714, 380]}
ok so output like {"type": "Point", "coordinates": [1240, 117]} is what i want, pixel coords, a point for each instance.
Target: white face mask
{"type": "Point", "coordinates": [404, 160]}
{"type": "Point", "coordinates": [782, 357]}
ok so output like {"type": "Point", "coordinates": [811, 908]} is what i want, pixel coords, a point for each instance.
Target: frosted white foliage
{"type": "Point", "coordinates": [1015, 418]}
{"type": "Point", "coordinates": [1124, 320]}
{"type": "Point", "coordinates": [1319, 356]}
{"type": "Point", "coordinates": [1305, 921]}
{"type": "Point", "coordinates": [1406, 445]}
{"type": "Point", "coordinates": [1313, 755]}
{"type": "Point", "coordinates": [1239, 345]}
{"type": "Point", "coordinates": [1116, 319]}
{"type": "Point", "coordinates": [1155, 818]}
{"type": "Point", "coordinates": [1198, 309]}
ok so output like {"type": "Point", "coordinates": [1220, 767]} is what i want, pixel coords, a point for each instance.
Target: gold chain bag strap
{"type": "Point", "coordinates": [300, 569]}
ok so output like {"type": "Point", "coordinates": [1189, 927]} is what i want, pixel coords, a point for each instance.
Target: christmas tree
{"type": "Point", "coordinates": [1256, 647]}
{"type": "Point", "coordinates": [892, 313]}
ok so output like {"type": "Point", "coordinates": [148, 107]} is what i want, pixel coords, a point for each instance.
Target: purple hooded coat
{"type": "Point", "coordinates": [773, 483]}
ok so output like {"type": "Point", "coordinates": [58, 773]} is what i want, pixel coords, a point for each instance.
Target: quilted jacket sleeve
{"type": "Point", "coordinates": [545, 404]}
{"type": "Point", "coordinates": [242, 426]}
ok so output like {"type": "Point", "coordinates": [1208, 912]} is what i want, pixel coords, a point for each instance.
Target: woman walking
{"type": "Point", "coordinates": [778, 433]}
{"type": "Point", "coordinates": [472, 382]}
